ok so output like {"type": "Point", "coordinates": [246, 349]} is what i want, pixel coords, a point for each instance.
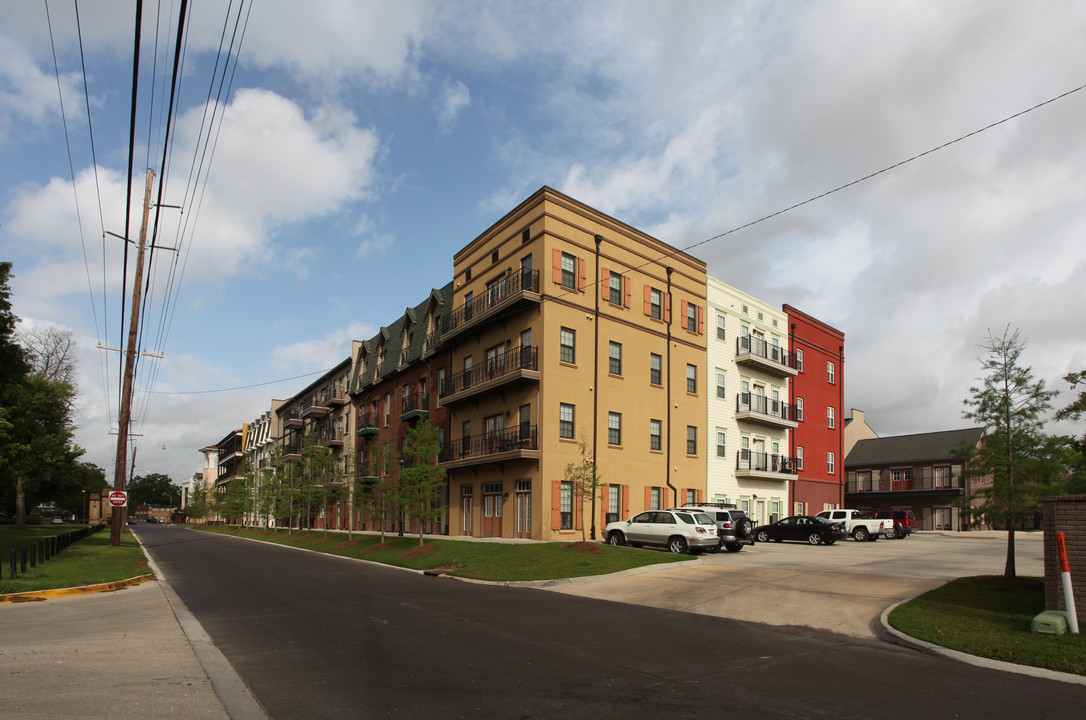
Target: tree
{"type": "Point", "coordinates": [1077, 409]}
{"type": "Point", "coordinates": [154, 489]}
{"type": "Point", "coordinates": [422, 478]}
{"type": "Point", "coordinates": [584, 479]}
{"type": "Point", "coordinates": [1009, 403]}
{"type": "Point", "coordinates": [51, 352]}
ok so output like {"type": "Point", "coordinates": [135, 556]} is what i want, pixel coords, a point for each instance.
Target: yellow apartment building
{"type": "Point", "coordinates": [571, 328]}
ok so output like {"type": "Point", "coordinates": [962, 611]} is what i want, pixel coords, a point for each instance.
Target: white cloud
{"type": "Point", "coordinates": [455, 97]}
{"type": "Point", "coordinates": [321, 353]}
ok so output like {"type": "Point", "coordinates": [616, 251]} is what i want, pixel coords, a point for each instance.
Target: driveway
{"type": "Point", "coordinates": [842, 588]}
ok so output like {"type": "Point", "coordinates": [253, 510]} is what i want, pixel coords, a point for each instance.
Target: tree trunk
{"type": "Point", "coordinates": [20, 505]}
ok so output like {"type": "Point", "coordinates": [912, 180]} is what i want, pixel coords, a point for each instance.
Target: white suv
{"type": "Point", "coordinates": [734, 529]}
{"type": "Point", "coordinates": [677, 530]}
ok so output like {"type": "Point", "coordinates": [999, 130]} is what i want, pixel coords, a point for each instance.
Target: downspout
{"type": "Point", "coordinates": [841, 431]}
{"type": "Point", "coordinates": [667, 470]}
{"type": "Point", "coordinates": [595, 385]}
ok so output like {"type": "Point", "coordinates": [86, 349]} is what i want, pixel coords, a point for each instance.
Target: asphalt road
{"type": "Point", "coordinates": [321, 637]}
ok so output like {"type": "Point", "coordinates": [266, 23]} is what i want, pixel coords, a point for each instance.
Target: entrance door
{"type": "Point", "coordinates": [492, 510]}
{"type": "Point", "coordinates": [523, 509]}
{"type": "Point", "coordinates": [466, 508]}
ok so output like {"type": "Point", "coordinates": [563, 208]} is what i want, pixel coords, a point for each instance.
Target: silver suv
{"type": "Point", "coordinates": [734, 528]}
{"type": "Point", "coordinates": [677, 530]}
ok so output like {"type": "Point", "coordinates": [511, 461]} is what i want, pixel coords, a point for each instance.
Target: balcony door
{"type": "Point", "coordinates": [495, 361]}
{"type": "Point", "coordinates": [495, 432]}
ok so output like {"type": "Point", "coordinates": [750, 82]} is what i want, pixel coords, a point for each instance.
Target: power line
{"type": "Point", "coordinates": [239, 387]}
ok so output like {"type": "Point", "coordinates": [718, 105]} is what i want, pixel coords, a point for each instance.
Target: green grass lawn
{"type": "Point", "coordinates": [477, 560]}
{"type": "Point", "coordinates": [86, 562]}
{"type": "Point", "coordinates": [986, 617]}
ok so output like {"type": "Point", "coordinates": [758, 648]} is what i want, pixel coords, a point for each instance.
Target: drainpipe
{"type": "Point", "coordinates": [596, 385]}
{"type": "Point", "coordinates": [792, 433]}
{"type": "Point", "coordinates": [667, 470]}
{"type": "Point", "coordinates": [841, 429]}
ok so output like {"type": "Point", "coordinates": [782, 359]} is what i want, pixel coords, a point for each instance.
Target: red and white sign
{"type": "Point", "coordinates": [118, 498]}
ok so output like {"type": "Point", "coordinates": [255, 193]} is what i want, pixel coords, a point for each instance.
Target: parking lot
{"type": "Point", "coordinates": [841, 588]}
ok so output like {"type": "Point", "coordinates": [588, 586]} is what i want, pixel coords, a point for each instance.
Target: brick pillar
{"type": "Point", "coordinates": [1067, 514]}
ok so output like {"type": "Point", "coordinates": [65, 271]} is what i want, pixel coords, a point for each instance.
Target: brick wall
{"type": "Point", "coordinates": [1066, 513]}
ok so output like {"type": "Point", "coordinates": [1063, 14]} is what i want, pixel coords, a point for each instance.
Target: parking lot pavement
{"type": "Point", "coordinates": [841, 588]}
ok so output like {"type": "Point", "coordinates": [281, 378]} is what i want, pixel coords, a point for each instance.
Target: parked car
{"type": "Point", "coordinates": [677, 530]}
{"type": "Point", "coordinates": [733, 528]}
{"type": "Point", "coordinates": [904, 522]}
{"type": "Point", "coordinates": [57, 521]}
{"type": "Point", "coordinates": [805, 528]}
{"type": "Point", "coordinates": [860, 525]}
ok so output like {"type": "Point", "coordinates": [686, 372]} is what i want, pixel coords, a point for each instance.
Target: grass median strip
{"type": "Point", "coordinates": [89, 561]}
{"type": "Point", "coordinates": [501, 562]}
{"type": "Point", "coordinates": [988, 617]}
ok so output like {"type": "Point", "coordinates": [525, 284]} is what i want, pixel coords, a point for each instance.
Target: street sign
{"type": "Point", "coordinates": [118, 498]}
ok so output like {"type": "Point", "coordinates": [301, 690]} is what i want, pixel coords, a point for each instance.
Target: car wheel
{"type": "Point", "coordinates": [744, 528]}
{"type": "Point", "coordinates": [636, 545]}
{"type": "Point", "coordinates": [815, 539]}
{"type": "Point", "coordinates": [616, 538]}
{"type": "Point", "coordinates": [873, 537]}
{"type": "Point", "coordinates": [899, 533]}
{"type": "Point", "coordinates": [859, 534]}
{"type": "Point", "coordinates": [763, 536]}
{"type": "Point", "coordinates": [734, 547]}
{"type": "Point", "coordinates": [830, 542]}
{"type": "Point", "coordinates": [715, 548]}
{"type": "Point", "coordinates": [677, 545]}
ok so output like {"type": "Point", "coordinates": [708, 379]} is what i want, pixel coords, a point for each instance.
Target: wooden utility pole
{"type": "Point", "coordinates": [119, 475]}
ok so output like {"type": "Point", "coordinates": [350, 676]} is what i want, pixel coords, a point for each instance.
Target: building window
{"type": "Point", "coordinates": [691, 440]}
{"type": "Point", "coordinates": [614, 428]}
{"type": "Point", "coordinates": [614, 355]}
{"type": "Point", "coordinates": [691, 317]}
{"type": "Point", "coordinates": [721, 384]}
{"type": "Point", "coordinates": [654, 498]}
{"type": "Point", "coordinates": [656, 304]}
{"type": "Point", "coordinates": [388, 407]}
{"type": "Point", "coordinates": [569, 271]}
{"type": "Point", "coordinates": [614, 287]}
{"type": "Point", "coordinates": [830, 372]}
{"type": "Point", "coordinates": [830, 462]}
{"type": "Point", "coordinates": [942, 476]}
{"type": "Point", "coordinates": [569, 350]}
{"type": "Point", "coordinates": [863, 481]}
{"type": "Point", "coordinates": [799, 360]}
{"type": "Point", "coordinates": [565, 421]}
{"type": "Point", "coordinates": [799, 409]}
{"type": "Point", "coordinates": [830, 416]}
{"type": "Point", "coordinates": [566, 510]}
{"type": "Point", "coordinates": [799, 457]}
{"type": "Point", "coordinates": [691, 497]}
{"type": "Point", "coordinates": [721, 443]}
{"type": "Point", "coordinates": [614, 498]}
{"type": "Point", "coordinates": [720, 326]}
{"type": "Point", "coordinates": [691, 378]}
{"type": "Point", "coordinates": [655, 369]}
{"type": "Point", "coordinates": [655, 433]}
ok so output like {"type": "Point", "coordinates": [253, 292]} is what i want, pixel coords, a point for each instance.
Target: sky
{"type": "Point", "coordinates": [322, 174]}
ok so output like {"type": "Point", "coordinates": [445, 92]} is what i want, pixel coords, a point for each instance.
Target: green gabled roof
{"type": "Point", "coordinates": [391, 338]}
{"type": "Point", "coordinates": [919, 448]}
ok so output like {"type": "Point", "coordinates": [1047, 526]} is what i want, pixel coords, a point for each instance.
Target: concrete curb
{"type": "Point", "coordinates": [897, 637]}
{"type": "Point", "coordinates": [36, 595]}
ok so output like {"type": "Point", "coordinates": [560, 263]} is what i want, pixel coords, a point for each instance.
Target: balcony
{"type": "Point", "coordinates": [415, 406]}
{"type": "Point", "coordinates": [755, 353]}
{"type": "Point", "coordinates": [337, 398]}
{"type": "Point", "coordinates": [518, 365]}
{"type": "Point", "coordinates": [334, 439]}
{"type": "Point", "coordinates": [512, 292]}
{"type": "Point", "coordinates": [518, 443]}
{"type": "Point", "coordinates": [764, 466]}
{"type": "Point", "coordinates": [431, 343]}
{"type": "Point", "coordinates": [407, 355]}
{"type": "Point", "coordinates": [317, 407]}
{"type": "Point", "coordinates": [293, 420]}
{"type": "Point", "coordinates": [367, 425]}
{"type": "Point", "coordinates": [292, 451]}
{"type": "Point", "coordinates": [763, 410]}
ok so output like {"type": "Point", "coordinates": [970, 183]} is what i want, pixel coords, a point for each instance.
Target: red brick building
{"type": "Point", "coordinates": [818, 395]}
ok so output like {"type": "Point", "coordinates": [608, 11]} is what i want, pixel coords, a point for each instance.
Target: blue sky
{"type": "Point", "coordinates": [362, 144]}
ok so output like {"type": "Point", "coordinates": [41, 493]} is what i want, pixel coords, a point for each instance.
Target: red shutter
{"type": "Point", "coordinates": [625, 502]}
{"type": "Point", "coordinates": [627, 283]}
{"type": "Point", "coordinates": [578, 512]}
{"type": "Point", "coordinates": [556, 504]}
{"type": "Point", "coordinates": [605, 285]}
{"type": "Point", "coordinates": [683, 305]}
{"type": "Point", "coordinates": [701, 320]}
{"type": "Point", "coordinates": [556, 269]}
{"type": "Point", "coordinates": [648, 498]}
{"type": "Point", "coordinates": [667, 307]}
{"type": "Point", "coordinates": [648, 301]}
{"type": "Point", "coordinates": [582, 270]}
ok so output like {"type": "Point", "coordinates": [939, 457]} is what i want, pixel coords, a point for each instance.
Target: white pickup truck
{"type": "Point", "coordinates": [861, 525]}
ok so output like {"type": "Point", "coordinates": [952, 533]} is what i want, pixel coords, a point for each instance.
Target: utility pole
{"type": "Point", "coordinates": [119, 481]}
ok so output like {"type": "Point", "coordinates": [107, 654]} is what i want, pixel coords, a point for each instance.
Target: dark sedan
{"type": "Point", "coordinates": [804, 528]}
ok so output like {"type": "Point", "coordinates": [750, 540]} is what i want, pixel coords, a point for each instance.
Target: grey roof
{"type": "Point", "coordinates": [922, 447]}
